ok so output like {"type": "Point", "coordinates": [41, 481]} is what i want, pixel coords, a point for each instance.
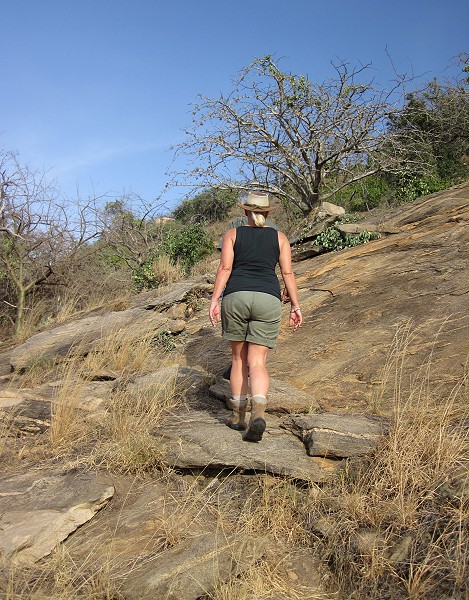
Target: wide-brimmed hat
{"type": "Point", "coordinates": [257, 202]}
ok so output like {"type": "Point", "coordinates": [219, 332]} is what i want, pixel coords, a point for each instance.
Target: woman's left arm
{"type": "Point", "coordinates": [223, 274]}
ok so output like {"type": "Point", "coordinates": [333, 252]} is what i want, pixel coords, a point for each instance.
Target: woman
{"type": "Point", "coordinates": [251, 307]}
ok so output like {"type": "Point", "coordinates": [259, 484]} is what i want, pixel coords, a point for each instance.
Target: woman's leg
{"type": "Point", "coordinates": [259, 377]}
{"type": "Point", "coordinates": [239, 385]}
{"type": "Point", "coordinates": [239, 368]}
{"type": "Point", "coordinates": [257, 363]}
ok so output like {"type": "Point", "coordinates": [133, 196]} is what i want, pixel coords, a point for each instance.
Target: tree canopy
{"type": "Point", "coordinates": [299, 139]}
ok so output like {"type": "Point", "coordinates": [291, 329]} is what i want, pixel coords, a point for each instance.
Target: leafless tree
{"type": "Point", "coordinates": [300, 140]}
{"type": "Point", "coordinates": [38, 231]}
{"type": "Point", "coordinates": [132, 229]}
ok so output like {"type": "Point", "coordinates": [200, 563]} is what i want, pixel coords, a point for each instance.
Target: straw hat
{"type": "Point", "coordinates": [257, 202]}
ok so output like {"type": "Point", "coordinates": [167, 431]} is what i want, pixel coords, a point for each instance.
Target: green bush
{"type": "Point", "coordinates": [188, 244]}
{"type": "Point", "coordinates": [363, 195]}
{"type": "Point", "coordinates": [183, 244]}
{"type": "Point", "coordinates": [408, 187]}
{"type": "Point", "coordinates": [207, 207]}
{"type": "Point", "coordinates": [331, 239]}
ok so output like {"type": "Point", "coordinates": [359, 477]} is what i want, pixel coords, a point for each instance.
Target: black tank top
{"type": "Point", "coordinates": [256, 254]}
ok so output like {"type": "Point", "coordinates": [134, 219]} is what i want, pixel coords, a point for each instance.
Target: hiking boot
{"type": "Point", "coordinates": [257, 423]}
{"type": "Point", "coordinates": [237, 420]}
{"type": "Point", "coordinates": [255, 430]}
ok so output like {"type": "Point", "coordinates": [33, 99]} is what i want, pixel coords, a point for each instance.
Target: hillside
{"type": "Point", "coordinates": [357, 487]}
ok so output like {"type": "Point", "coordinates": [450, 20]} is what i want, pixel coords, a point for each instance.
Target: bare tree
{"type": "Point", "coordinates": [301, 140]}
{"type": "Point", "coordinates": [132, 229]}
{"type": "Point", "coordinates": [38, 231]}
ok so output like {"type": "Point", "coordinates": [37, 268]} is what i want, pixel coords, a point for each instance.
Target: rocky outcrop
{"type": "Point", "coordinates": [338, 435]}
{"type": "Point", "coordinates": [198, 441]}
{"type": "Point", "coordinates": [400, 299]}
{"type": "Point", "coordinates": [39, 509]}
{"type": "Point", "coordinates": [79, 337]}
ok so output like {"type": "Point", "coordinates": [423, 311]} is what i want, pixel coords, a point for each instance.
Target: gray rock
{"type": "Point", "coordinates": [79, 337]}
{"type": "Point", "coordinates": [283, 397]}
{"type": "Point", "coordinates": [196, 440]}
{"type": "Point", "coordinates": [194, 568]}
{"type": "Point", "coordinates": [355, 228]}
{"type": "Point", "coordinates": [178, 292]}
{"type": "Point", "coordinates": [39, 509]}
{"type": "Point", "coordinates": [187, 380]}
{"type": "Point", "coordinates": [338, 435]}
{"type": "Point", "coordinates": [327, 209]}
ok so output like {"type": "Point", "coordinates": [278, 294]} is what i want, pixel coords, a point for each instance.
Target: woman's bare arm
{"type": "Point", "coordinates": [223, 274]}
{"type": "Point", "coordinates": [289, 279]}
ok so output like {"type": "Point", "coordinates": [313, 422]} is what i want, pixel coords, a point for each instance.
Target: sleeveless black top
{"type": "Point", "coordinates": [256, 254]}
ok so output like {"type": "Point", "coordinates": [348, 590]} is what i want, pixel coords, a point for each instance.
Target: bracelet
{"type": "Point", "coordinates": [295, 309]}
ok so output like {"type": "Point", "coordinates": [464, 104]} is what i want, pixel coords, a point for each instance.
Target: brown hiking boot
{"type": "Point", "coordinates": [237, 420]}
{"type": "Point", "coordinates": [257, 423]}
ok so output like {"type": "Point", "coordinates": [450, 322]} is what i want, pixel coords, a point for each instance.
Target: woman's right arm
{"type": "Point", "coordinates": [288, 276]}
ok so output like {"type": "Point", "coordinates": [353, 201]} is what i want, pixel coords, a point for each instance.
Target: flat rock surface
{"type": "Point", "coordinates": [82, 335]}
{"type": "Point", "coordinates": [338, 435]}
{"type": "Point", "coordinates": [197, 440]}
{"type": "Point", "coordinates": [39, 509]}
{"type": "Point", "coordinates": [399, 299]}
{"type": "Point", "coordinates": [194, 568]}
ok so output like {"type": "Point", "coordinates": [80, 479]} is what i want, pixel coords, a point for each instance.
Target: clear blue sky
{"type": "Point", "coordinates": [95, 91]}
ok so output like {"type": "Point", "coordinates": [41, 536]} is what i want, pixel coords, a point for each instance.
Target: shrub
{"type": "Point", "coordinates": [207, 207]}
{"type": "Point", "coordinates": [181, 248]}
{"type": "Point", "coordinates": [187, 244]}
{"type": "Point", "coordinates": [408, 187]}
{"type": "Point", "coordinates": [363, 195]}
{"type": "Point", "coordinates": [331, 239]}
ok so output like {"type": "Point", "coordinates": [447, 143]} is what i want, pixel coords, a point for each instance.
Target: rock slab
{"type": "Point", "coordinates": [338, 435]}
{"type": "Point", "coordinates": [283, 397]}
{"type": "Point", "coordinates": [39, 509]}
{"type": "Point", "coordinates": [196, 440]}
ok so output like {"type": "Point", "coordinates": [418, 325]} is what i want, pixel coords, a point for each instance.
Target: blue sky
{"type": "Point", "coordinates": [96, 91]}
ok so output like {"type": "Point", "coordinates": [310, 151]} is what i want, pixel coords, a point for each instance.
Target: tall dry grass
{"type": "Point", "coordinates": [120, 437]}
{"type": "Point", "coordinates": [398, 522]}
{"type": "Point", "coordinates": [166, 271]}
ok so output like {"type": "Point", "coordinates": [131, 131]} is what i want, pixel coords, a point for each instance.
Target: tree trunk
{"type": "Point", "coordinates": [20, 305]}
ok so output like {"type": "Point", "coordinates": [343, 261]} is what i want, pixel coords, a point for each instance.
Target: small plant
{"type": "Point", "coordinates": [165, 341]}
{"type": "Point", "coordinates": [331, 239]}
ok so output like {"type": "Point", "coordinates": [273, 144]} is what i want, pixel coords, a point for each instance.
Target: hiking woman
{"type": "Point", "coordinates": [251, 306]}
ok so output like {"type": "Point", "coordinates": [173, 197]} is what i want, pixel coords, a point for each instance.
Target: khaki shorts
{"type": "Point", "coordinates": [251, 316]}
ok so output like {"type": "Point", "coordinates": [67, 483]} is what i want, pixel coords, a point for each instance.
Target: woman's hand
{"type": "Point", "coordinates": [296, 318]}
{"type": "Point", "coordinates": [214, 313]}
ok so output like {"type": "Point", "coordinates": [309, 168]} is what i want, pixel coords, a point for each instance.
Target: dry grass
{"type": "Point", "coordinates": [120, 438]}
{"type": "Point", "coordinates": [264, 581]}
{"type": "Point", "coordinates": [127, 442]}
{"type": "Point", "coordinates": [394, 525]}
{"type": "Point", "coordinates": [120, 352]}
{"type": "Point", "coordinates": [166, 271]}
{"type": "Point", "coordinates": [400, 518]}
{"type": "Point", "coordinates": [60, 578]}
